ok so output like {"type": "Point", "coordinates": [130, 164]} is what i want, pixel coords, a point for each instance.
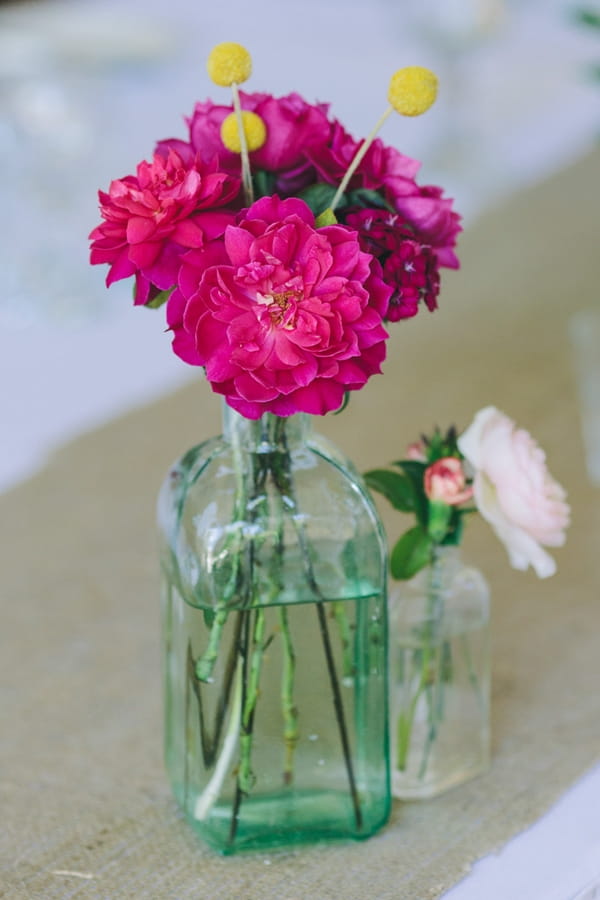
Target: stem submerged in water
{"type": "Point", "coordinates": [288, 707]}
{"type": "Point", "coordinates": [286, 488]}
{"type": "Point", "coordinates": [254, 582]}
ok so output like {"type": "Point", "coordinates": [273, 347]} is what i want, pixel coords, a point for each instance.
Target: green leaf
{"type": "Point", "coordinates": [158, 301]}
{"type": "Point", "coordinates": [395, 487]}
{"type": "Point", "coordinates": [436, 448]}
{"type": "Point", "coordinates": [455, 531]}
{"type": "Point", "coordinates": [368, 199]}
{"type": "Point", "coordinates": [264, 183]}
{"type": "Point", "coordinates": [318, 196]}
{"type": "Point", "coordinates": [411, 553]}
{"type": "Point", "coordinates": [327, 217]}
{"type": "Point", "coordinates": [412, 467]}
{"type": "Point", "coordinates": [415, 472]}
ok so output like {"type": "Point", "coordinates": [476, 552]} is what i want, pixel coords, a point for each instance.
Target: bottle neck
{"type": "Point", "coordinates": [267, 434]}
{"type": "Point", "coordinates": [446, 555]}
{"type": "Point", "coordinates": [445, 563]}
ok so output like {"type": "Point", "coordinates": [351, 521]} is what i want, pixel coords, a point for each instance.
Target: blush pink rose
{"type": "Point", "coordinates": [445, 482]}
{"type": "Point", "coordinates": [514, 491]}
{"type": "Point", "coordinates": [288, 319]}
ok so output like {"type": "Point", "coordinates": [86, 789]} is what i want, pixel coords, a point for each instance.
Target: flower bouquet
{"type": "Point", "coordinates": [440, 674]}
{"type": "Point", "coordinates": [282, 248]}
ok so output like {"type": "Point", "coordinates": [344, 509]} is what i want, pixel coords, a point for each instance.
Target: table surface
{"type": "Point", "coordinates": [523, 275]}
{"type": "Point", "coordinates": [83, 787]}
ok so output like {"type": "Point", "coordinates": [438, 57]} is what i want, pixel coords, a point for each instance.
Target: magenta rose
{"type": "Point", "coordinates": [434, 221]}
{"type": "Point", "coordinates": [151, 218]}
{"type": "Point", "coordinates": [384, 169]}
{"type": "Point", "coordinates": [293, 127]}
{"type": "Point", "coordinates": [291, 320]}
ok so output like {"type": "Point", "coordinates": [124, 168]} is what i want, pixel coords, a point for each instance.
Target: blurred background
{"type": "Point", "coordinates": [86, 88]}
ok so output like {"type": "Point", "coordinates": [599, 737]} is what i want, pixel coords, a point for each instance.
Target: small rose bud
{"type": "Point", "coordinates": [416, 451]}
{"type": "Point", "coordinates": [445, 482]}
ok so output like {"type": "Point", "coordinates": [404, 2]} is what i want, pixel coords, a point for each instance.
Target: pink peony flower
{"type": "Point", "coordinates": [445, 482]}
{"type": "Point", "coordinates": [514, 491]}
{"type": "Point", "coordinates": [151, 218]}
{"type": "Point", "coordinates": [290, 320]}
{"type": "Point", "coordinates": [293, 126]}
{"type": "Point", "coordinates": [428, 213]}
{"type": "Point", "coordinates": [383, 168]}
{"type": "Point", "coordinates": [431, 216]}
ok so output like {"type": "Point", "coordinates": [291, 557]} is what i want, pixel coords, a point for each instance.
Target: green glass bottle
{"type": "Point", "coordinates": [275, 639]}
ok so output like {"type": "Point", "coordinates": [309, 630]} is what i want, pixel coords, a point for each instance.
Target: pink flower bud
{"type": "Point", "coordinates": [416, 451]}
{"type": "Point", "coordinates": [445, 482]}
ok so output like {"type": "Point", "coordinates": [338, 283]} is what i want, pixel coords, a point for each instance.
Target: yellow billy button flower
{"type": "Point", "coordinates": [228, 64]}
{"type": "Point", "coordinates": [255, 132]}
{"type": "Point", "coordinates": [412, 90]}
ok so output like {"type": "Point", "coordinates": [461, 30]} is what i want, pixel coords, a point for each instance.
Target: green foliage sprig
{"type": "Point", "coordinates": [439, 518]}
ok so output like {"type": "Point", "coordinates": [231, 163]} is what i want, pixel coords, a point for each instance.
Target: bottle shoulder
{"type": "Point", "coordinates": [289, 513]}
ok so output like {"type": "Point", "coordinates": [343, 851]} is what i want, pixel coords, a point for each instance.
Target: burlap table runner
{"type": "Point", "coordinates": [81, 782]}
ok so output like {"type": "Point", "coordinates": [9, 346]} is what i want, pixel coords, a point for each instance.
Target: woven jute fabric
{"type": "Point", "coordinates": [85, 810]}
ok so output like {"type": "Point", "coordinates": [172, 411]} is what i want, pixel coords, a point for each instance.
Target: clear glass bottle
{"type": "Point", "coordinates": [439, 677]}
{"type": "Point", "coordinates": [275, 639]}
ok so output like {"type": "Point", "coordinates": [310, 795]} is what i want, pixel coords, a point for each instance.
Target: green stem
{"type": "Point", "coordinates": [405, 725]}
{"type": "Point", "coordinates": [288, 707]}
{"type": "Point", "coordinates": [206, 663]}
{"type": "Point", "coordinates": [243, 662]}
{"type": "Point", "coordinates": [431, 662]}
{"type": "Point", "coordinates": [429, 678]}
{"type": "Point", "coordinates": [341, 617]}
{"type": "Point", "coordinates": [339, 713]}
{"type": "Point", "coordinates": [250, 682]}
{"type": "Point", "coordinates": [210, 794]}
{"type": "Point", "coordinates": [358, 158]}
{"type": "Point", "coordinates": [289, 711]}
{"type": "Point", "coordinates": [246, 777]}
{"type": "Point", "coordinates": [286, 489]}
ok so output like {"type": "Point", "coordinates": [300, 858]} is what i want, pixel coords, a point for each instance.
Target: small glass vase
{"type": "Point", "coordinates": [275, 639]}
{"type": "Point", "coordinates": [439, 677]}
